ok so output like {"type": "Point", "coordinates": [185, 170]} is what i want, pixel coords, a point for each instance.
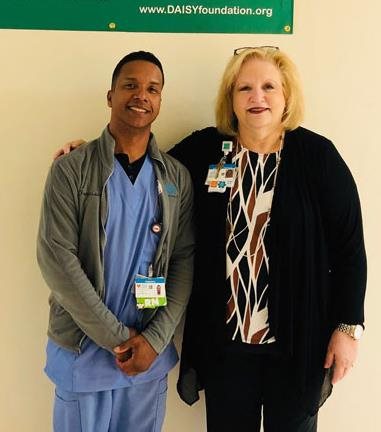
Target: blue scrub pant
{"type": "Point", "coordinates": [139, 408]}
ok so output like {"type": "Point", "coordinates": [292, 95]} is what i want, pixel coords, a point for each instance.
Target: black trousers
{"type": "Point", "coordinates": [244, 384]}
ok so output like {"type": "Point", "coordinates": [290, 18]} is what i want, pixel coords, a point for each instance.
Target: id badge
{"type": "Point", "coordinates": [150, 292]}
{"type": "Point", "coordinates": [220, 179]}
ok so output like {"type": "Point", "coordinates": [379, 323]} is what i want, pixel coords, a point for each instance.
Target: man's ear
{"type": "Point", "coordinates": [109, 103]}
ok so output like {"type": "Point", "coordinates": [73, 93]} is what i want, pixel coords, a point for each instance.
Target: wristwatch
{"type": "Point", "coordinates": [355, 331]}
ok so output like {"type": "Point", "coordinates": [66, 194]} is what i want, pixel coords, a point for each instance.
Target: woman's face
{"type": "Point", "coordinates": [258, 99]}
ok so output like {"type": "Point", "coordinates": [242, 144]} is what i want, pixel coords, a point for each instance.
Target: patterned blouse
{"type": "Point", "coordinates": [247, 266]}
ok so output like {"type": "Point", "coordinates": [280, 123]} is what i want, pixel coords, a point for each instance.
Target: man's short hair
{"type": "Point", "coordinates": [136, 55]}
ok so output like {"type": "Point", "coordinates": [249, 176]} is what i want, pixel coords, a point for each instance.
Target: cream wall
{"type": "Point", "coordinates": [53, 87]}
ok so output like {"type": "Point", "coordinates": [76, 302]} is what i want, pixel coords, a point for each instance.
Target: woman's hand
{"type": "Point", "coordinates": [341, 355]}
{"type": "Point", "coordinates": [68, 147]}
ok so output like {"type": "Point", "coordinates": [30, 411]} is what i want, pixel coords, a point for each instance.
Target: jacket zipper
{"type": "Point", "coordinates": [102, 293]}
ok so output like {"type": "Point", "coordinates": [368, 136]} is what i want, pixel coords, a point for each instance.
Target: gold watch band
{"type": "Point", "coordinates": [355, 331]}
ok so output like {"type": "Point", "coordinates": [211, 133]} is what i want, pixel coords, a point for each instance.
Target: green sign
{"type": "Point", "coordinates": [170, 16]}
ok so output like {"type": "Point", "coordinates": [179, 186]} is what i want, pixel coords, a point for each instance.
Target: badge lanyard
{"type": "Point", "coordinates": [156, 226]}
{"type": "Point", "coordinates": [221, 175]}
{"type": "Point", "coordinates": [149, 290]}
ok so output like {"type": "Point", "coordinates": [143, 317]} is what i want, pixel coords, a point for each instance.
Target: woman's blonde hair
{"type": "Point", "coordinates": [226, 120]}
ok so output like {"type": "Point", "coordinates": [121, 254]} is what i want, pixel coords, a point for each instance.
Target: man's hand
{"type": "Point", "coordinates": [139, 353]}
{"type": "Point", "coordinates": [341, 354]}
{"type": "Point", "coordinates": [68, 147]}
{"type": "Point", "coordinates": [123, 353]}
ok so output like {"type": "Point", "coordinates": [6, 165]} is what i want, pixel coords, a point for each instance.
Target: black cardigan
{"type": "Point", "coordinates": [316, 249]}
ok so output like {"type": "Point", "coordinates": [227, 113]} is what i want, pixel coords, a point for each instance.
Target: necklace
{"type": "Point", "coordinates": [278, 158]}
{"type": "Point", "coordinates": [279, 140]}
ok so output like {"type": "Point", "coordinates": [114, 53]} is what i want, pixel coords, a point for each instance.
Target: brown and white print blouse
{"type": "Point", "coordinates": [248, 217]}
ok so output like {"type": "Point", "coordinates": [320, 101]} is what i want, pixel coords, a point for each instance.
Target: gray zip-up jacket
{"type": "Point", "coordinates": [71, 242]}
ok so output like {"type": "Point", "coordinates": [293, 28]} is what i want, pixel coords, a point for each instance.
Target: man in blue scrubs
{"type": "Point", "coordinates": [116, 223]}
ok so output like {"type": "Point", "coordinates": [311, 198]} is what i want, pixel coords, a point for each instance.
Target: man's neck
{"type": "Point", "coordinates": [131, 142]}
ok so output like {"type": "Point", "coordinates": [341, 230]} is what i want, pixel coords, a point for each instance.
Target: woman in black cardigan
{"type": "Point", "coordinates": [277, 304]}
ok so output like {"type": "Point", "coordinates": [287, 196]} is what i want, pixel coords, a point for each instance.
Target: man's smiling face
{"type": "Point", "coordinates": [136, 96]}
